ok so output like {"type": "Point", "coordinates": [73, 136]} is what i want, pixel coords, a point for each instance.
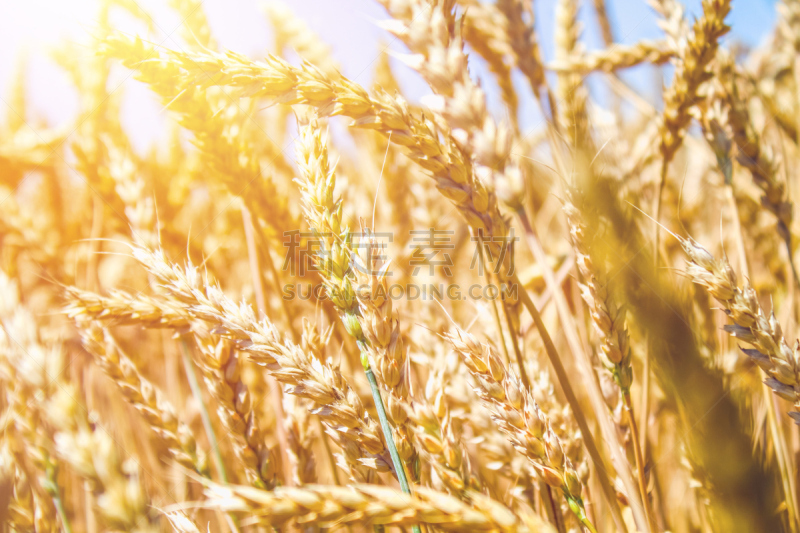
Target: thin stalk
{"type": "Point", "coordinates": [604, 23]}
{"type": "Point", "coordinates": [88, 508]}
{"type": "Point", "coordinates": [499, 325]}
{"type": "Point", "coordinates": [274, 388]}
{"type": "Point", "coordinates": [517, 352]}
{"type": "Point", "coordinates": [95, 244]}
{"type": "Point", "coordinates": [577, 507]}
{"type": "Point", "coordinates": [583, 363]}
{"type": "Point", "coordinates": [546, 502]}
{"type": "Point", "coordinates": [334, 471]}
{"type": "Point", "coordinates": [195, 386]}
{"type": "Point", "coordinates": [644, 441]}
{"type": "Point", "coordinates": [572, 400]}
{"type": "Point", "coordinates": [252, 256]}
{"type": "Point", "coordinates": [62, 514]}
{"type": "Point", "coordinates": [209, 429]}
{"type": "Point", "coordinates": [560, 276]}
{"type": "Point", "coordinates": [495, 312]}
{"type": "Point", "coordinates": [520, 362]}
{"type": "Point", "coordinates": [658, 494]}
{"type": "Point", "coordinates": [387, 431]}
{"type": "Point", "coordinates": [645, 397]}
{"type": "Point", "coordinates": [737, 230]}
{"type": "Point", "coordinates": [659, 199]}
{"type": "Point", "coordinates": [782, 455]}
{"type": "Point", "coordinates": [587, 523]}
{"type": "Point", "coordinates": [637, 453]}
{"type": "Point", "coordinates": [664, 167]}
{"type": "Point", "coordinates": [51, 486]}
{"type": "Point", "coordinates": [328, 452]}
{"type": "Point", "coordinates": [552, 507]}
{"type": "Point", "coordinates": [385, 427]}
{"type": "Point", "coordinates": [287, 309]}
{"type": "Point", "coordinates": [788, 239]}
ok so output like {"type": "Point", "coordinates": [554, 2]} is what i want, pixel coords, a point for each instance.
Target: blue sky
{"type": "Point", "coordinates": [347, 25]}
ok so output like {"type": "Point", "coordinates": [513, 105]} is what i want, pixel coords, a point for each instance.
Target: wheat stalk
{"type": "Point", "coordinates": [519, 417]}
{"type": "Point", "coordinates": [145, 397]}
{"type": "Point", "coordinates": [487, 33]}
{"type": "Point", "coordinates": [91, 452]}
{"type": "Point", "coordinates": [695, 54]}
{"type": "Point", "coordinates": [122, 308]}
{"type": "Point", "coordinates": [519, 15]}
{"type": "Point", "coordinates": [336, 403]}
{"type": "Point", "coordinates": [219, 134]}
{"type": "Point", "coordinates": [571, 95]}
{"type": "Point", "coordinates": [616, 57]}
{"type": "Point", "coordinates": [751, 324]}
{"type": "Point", "coordinates": [375, 328]}
{"type": "Point", "coordinates": [608, 319]}
{"type": "Point", "coordinates": [28, 367]}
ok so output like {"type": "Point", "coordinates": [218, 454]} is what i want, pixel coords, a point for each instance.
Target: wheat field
{"type": "Point", "coordinates": [325, 305]}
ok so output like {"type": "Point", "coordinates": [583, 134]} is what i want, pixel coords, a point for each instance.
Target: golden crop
{"type": "Point", "coordinates": [427, 320]}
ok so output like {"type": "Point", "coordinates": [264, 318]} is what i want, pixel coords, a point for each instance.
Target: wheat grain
{"type": "Point", "coordinates": [219, 134]}
{"type": "Point", "coordinates": [487, 33]}
{"type": "Point", "coordinates": [519, 417]}
{"type": "Point", "coordinates": [615, 57]}
{"type": "Point", "coordinates": [760, 163]}
{"type": "Point", "coordinates": [571, 95]}
{"type": "Point", "coordinates": [278, 80]}
{"type": "Point", "coordinates": [607, 317]}
{"type": "Point", "coordinates": [695, 53]}
{"type": "Point", "coordinates": [145, 397]}
{"type": "Point", "coordinates": [91, 452]}
{"type": "Point", "coordinates": [522, 37]}
{"type": "Point", "coordinates": [336, 404]}
{"type": "Point", "coordinates": [750, 323]}
{"type": "Point", "coordinates": [121, 308]}
{"type": "Point", "coordinates": [373, 504]}
{"type": "Point", "coordinates": [442, 449]}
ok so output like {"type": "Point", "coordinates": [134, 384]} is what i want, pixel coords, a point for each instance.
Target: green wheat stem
{"type": "Point", "coordinates": [576, 506]}
{"type": "Point", "coordinates": [195, 386]}
{"type": "Point", "coordinates": [51, 486]}
{"type": "Point", "coordinates": [384, 421]}
{"type": "Point", "coordinates": [585, 521]}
